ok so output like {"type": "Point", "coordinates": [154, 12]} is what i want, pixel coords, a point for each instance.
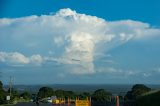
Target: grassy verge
{"type": "Point", "coordinates": [152, 99]}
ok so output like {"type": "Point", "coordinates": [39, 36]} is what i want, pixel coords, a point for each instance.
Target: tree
{"type": "Point", "coordinates": [1, 85]}
{"type": "Point", "coordinates": [45, 92]}
{"type": "Point", "coordinates": [101, 95]}
{"type": "Point", "coordinates": [60, 93]}
{"type": "Point", "coordinates": [65, 94]}
{"type": "Point", "coordinates": [84, 95]}
{"type": "Point", "coordinates": [2, 94]}
{"type": "Point", "coordinates": [69, 94]}
{"type": "Point", "coordinates": [14, 93]}
{"type": "Point", "coordinates": [25, 95]}
{"type": "Point", "coordinates": [137, 91]}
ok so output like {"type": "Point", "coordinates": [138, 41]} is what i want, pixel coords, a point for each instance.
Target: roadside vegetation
{"type": "Point", "coordinates": [15, 97]}
{"type": "Point", "coordinates": [99, 95]}
{"type": "Point", "coordinates": [151, 99]}
{"type": "Point", "coordinates": [139, 95]}
{"type": "Point", "coordinates": [2, 94]}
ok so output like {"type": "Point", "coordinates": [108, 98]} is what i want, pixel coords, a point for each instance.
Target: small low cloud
{"type": "Point", "coordinates": [117, 72]}
{"type": "Point", "coordinates": [146, 74]}
{"type": "Point", "coordinates": [16, 58]}
{"type": "Point", "coordinates": [156, 70]}
{"type": "Point", "coordinates": [13, 58]}
{"type": "Point", "coordinates": [36, 59]}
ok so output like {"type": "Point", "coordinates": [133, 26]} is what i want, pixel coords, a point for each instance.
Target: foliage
{"type": "Point", "coordinates": [86, 94]}
{"type": "Point", "coordinates": [137, 91]}
{"type": "Point", "coordinates": [141, 86]}
{"type": "Point", "coordinates": [69, 94]}
{"type": "Point", "coordinates": [14, 93]}
{"type": "Point", "coordinates": [1, 85]}
{"type": "Point", "coordinates": [60, 93]}
{"type": "Point", "coordinates": [64, 94]}
{"type": "Point", "coordinates": [2, 94]}
{"type": "Point", "coordinates": [45, 92]}
{"type": "Point", "coordinates": [83, 95]}
{"type": "Point", "coordinates": [101, 95]}
{"type": "Point", "coordinates": [152, 99]}
{"type": "Point", "coordinates": [25, 95]}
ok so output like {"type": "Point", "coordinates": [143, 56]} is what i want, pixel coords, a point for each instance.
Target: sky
{"type": "Point", "coordinates": [80, 41]}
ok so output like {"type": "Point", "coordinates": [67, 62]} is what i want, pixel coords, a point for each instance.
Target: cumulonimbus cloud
{"type": "Point", "coordinates": [75, 38]}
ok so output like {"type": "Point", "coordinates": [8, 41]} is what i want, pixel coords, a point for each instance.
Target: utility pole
{"type": "Point", "coordinates": [8, 97]}
{"type": "Point", "coordinates": [10, 86]}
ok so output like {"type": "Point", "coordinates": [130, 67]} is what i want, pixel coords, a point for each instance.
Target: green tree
{"type": "Point", "coordinates": [101, 95]}
{"type": "Point", "coordinates": [60, 93]}
{"type": "Point", "coordinates": [14, 93]}
{"type": "Point", "coordinates": [69, 94]}
{"type": "Point", "coordinates": [26, 95]}
{"type": "Point", "coordinates": [1, 85]}
{"type": "Point", "coordinates": [137, 91]}
{"type": "Point", "coordinates": [65, 94]}
{"type": "Point", "coordinates": [2, 94]}
{"type": "Point", "coordinates": [45, 92]}
{"type": "Point", "coordinates": [84, 95]}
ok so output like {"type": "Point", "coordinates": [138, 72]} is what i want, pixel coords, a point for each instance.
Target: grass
{"type": "Point", "coordinates": [149, 99]}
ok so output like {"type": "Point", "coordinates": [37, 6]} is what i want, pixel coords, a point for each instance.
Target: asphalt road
{"type": "Point", "coordinates": [49, 104]}
{"type": "Point", "coordinates": [34, 104]}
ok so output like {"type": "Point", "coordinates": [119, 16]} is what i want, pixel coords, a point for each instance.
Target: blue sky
{"type": "Point", "coordinates": [141, 10]}
{"type": "Point", "coordinates": [80, 41]}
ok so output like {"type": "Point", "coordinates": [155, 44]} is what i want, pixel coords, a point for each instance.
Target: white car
{"type": "Point", "coordinates": [49, 100]}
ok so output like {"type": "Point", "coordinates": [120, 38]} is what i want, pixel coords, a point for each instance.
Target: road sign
{"type": "Point", "coordinates": [8, 97]}
{"type": "Point", "coordinates": [82, 103]}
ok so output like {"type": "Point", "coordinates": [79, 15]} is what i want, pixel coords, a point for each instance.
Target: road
{"type": "Point", "coordinates": [49, 104]}
{"type": "Point", "coordinates": [34, 104]}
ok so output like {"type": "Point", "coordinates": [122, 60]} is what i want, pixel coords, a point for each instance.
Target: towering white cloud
{"type": "Point", "coordinates": [75, 38]}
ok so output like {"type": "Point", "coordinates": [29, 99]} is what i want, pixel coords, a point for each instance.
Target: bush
{"type": "Point", "coordinates": [45, 92]}
{"type": "Point", "coordinates": [149, 100]}
{"type": "Point", "coordinates": [137, 91]}
{"type": "Point", "coordinates": [101, 95]}
{"type": "Point", "coordinates": [26, 95]}
{"type": "Point", "coordinates": [2, 94]}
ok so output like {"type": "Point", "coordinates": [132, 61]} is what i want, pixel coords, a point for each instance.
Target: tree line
{"type": "Point", "coordinates": [15, 95]}
{"type": "Point", "coordinates": [137, 96]}
{"type": "Point", "coordinates": [99, 95]}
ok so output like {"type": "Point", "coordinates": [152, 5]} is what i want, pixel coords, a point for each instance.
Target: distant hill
{"type": "Point", "coordinates": [115, 89]}
{"type": "Point", "coordinates": [149, 99]}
